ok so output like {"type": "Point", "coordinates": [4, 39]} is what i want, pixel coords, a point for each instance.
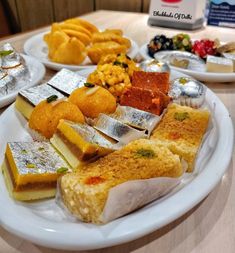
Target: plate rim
{"type": "Point", "coordinates": [59, 240]}
{"type": "Point", "coordinates": [201, 76]}
{"type": "Point", "coordinates": [59, 66]}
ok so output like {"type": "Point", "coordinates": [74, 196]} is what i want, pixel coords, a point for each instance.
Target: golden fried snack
{"type": "Point", "coordinates": [104, 48]}
{"type": "Point", "coordinates": [71, 52]}
{"type": "Point", "coordinates": [115, 31]}
{"type": "Point", "coordinates": [84, 23]}
{"type": "Point", "coordinates": [75, 27]}
{"type": "Point", "coordinates": [108, 36]}
{"type": "Point", "coordinates": [46, 115]}
{"type": "Point", "coordinates": [93, 100]}
{"type": "Point", "coordinates": [79, 35]}
{"type": "Point", "coordinates": [54, 40]}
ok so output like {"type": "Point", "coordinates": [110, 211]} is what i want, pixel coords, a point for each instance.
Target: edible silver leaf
{"type": "Point", "coordinates": [154, 65]}
{"type": "Point", "coordinates": [117, 130]}
{"type": "Point", "coordinates": [36, 158]}
{"type": "Point", "coordinates": [187, 91]}
{"type": "Point", "coordinates": [89, 134]}
{"type": "Point", "coordinates": [41, 92]}
{"type": "Point", "coordinates": [67, 81]}
{"type": "Point", "coordinates": [136, 118]}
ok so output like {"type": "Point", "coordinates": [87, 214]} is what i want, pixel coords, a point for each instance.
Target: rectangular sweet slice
{"type": "Point", "coordinates": [91, 193]}
{"type": "Point", "coordinates": [219, 64]}
{"type": "Point", "coordinates": [66, 81]}
{"type": "Point", "coordinates": [80, 143]}
{"type": "Point", "coordinates": [182, 129]}
{"type": "Point", "coordinates": [31, 170]}
{"type": "Point", "coordinates": [153, 81]}
{"type": "Point", "coordinates": [28, 99]}
{"type": "Point", "coordinates": [145, 99]}
{"type": "Point", "coordinates": [117, 130]}
{"type": "Point", "coordinates": [136, 118]}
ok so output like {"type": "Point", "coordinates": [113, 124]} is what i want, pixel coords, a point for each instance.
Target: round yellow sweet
{"type": "Point", "coordinates": [93, 100]}
{"type": "Point", "coordinates": [46, 116]}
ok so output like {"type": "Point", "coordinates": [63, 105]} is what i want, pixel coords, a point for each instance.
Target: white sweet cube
{"type": "Point", "coordinates": [219, 64]}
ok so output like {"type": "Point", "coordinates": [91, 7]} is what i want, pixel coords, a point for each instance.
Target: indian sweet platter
{"type": "Point", "coordinates": [101, 141]}
{"type": "Point", "coordinates": [203, 55]}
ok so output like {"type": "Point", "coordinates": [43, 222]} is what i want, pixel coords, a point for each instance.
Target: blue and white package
{"type": "Point", "coordinates": [222, 13]}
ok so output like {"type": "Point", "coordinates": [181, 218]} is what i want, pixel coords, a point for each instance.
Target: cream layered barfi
{"type": "Point", "coordinates": [28, 99]}
{"type": "Point", "coordinates": [80, 143]}
{"type": "Point", "coordinates": [31, 170]}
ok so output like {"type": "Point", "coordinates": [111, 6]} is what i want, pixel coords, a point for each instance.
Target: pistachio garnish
{"type": "Point", "coordinates": [89, 85]}
{"type": "Point", "coordinates": [147, 153]}
{"type": "Point", "coordinates": [52, 98]}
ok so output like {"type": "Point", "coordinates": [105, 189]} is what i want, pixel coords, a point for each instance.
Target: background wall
{"type": "Point", "coordinates": [23, 15]}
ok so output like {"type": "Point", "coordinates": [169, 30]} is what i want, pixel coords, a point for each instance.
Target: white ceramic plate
{"type": "Point", "coordinates": [37, 72]}
{"type": "Point", "coordinates": [199, 75]}
{"type": "Point", "coordinates": [36, 47]}
{"type": "Point", "coordinates": [45, 224]}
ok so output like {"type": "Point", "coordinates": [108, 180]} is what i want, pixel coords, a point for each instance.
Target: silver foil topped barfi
{"type": "Point", "coordinates": [66, 81]}
{"type": "Point", "coordinates": [117, 130]}
{"type": "Point", "coordinates": [31, 169]}
{"type": "Point", "coordinates": [136, 118]}
{"type": "Point", "coordinates": [29, 98]}
{"type": "Point", "coordinates": [36, 94]}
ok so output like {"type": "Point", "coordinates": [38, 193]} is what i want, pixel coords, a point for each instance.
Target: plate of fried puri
{"type": "Point", "coordinates": [77, 44]}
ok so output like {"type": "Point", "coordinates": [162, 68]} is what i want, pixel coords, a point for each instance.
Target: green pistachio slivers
{"type": "Point", "coordinates": [180, 116]}
{"type": "Point", "coordinates": [30, 166]}
{"type": "Point", "coordinates": [52, 98]}
{"type": "Point", "coordinates": [62, 170]}
{"type": "Point", "coordinates": [146, 153]}
{"type": "Point", "coordinates": [5, 52]}
{"type": "Point", "coordinates": [89, 85]}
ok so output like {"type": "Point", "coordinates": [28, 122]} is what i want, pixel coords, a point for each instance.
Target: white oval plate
{"type": "Point", "coordinates": [199, 75]}
{"type": "Point", "coordinates": [44, 223]}
{"type": "Point", "coordinates": [37, 72]}
{"type": "Point", "coordinates": [36, 47]}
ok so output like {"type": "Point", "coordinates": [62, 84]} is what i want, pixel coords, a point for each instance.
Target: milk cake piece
{"type": "Point", "coordinates": [28, 99]}
{"type": "Point", "coordinates": [219, 64]}
{"type": "Point", "coordinates": [182, 128]}
{"type": "Point", "coordinates": [86, 192]}
{"type": "Point", "coordinates": [66, 81]}
{"type": "Point", "coordinates": [80, 143]}
{"type": "Point", "coordinates": [31, 170]}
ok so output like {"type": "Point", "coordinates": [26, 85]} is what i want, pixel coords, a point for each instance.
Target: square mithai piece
{"type": "Point", "coordinates": [31, 170]}
{"type": "Point", "coordinates": [182, 128]}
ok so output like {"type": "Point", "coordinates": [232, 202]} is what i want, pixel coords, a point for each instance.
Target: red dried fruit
{"type": "Point", "coordinates": [204, 47]}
